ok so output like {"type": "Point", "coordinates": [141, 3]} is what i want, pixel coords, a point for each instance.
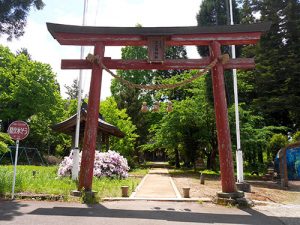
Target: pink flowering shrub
{"type": "Point", "coordinates": [107, 164]}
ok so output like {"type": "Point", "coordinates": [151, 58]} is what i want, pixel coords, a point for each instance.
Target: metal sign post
{"type": "Point", "coordinates": [17, 130]}
{"type": "Point", "coordinates": [15, 170]}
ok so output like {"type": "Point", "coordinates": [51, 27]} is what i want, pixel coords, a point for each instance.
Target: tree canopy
{"type": "Point", "coordinates": [13, 16]}
{"type": "Point", "coordinates": [29, 92]}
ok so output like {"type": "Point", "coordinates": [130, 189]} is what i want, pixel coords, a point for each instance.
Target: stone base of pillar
{"type": "Point", "coordinates": [89, 197]}
{"type": "Point", "coordinates": [76, 193]}
{"type": "Point", "coordinates": [233, 195]}
{"type": "Point", "coordinates": [245, 187]}
{"type": "Point", "coordinates": [234, 198]}
{"type": "Point", "coordinates": [86, 196]}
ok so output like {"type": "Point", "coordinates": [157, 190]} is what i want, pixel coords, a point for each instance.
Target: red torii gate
{"type": "Point", "coordinates": [156, 38]}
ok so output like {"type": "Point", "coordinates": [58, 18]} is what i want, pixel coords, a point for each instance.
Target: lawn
{"type": "Point", "coordinates": [44, 180]}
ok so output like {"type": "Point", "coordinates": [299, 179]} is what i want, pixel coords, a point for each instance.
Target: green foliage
{"type": "Point", "coordinates": [45, 181]}
{"type": "Point", "coordinates": [210, 172]}
{"type": "Point", "coordinates": [277, 142]}
{"type": "Point", "coordinates": [89, 197]}
{"type": "Point", "coordinates": [5, 140]}
{"type": "Point", "coordinates": [119, 118]}
{"type": "Point", "coordinates": [138, 172]}
{"type": "Point", "coordinates": [72, 91]}
{"type": "Point", "coordinates": [215, 13]}
{"type": "Point", "coordinates": [190, 128]}
{"type": "Point", "coordinates": [273, 86]}
{"type": "Point", "coordinates": [23, 83]}
{"type": "Point", "coordinates": [130, 98]}
{"type": "Point", "coordinates": [296, 137]}
{"type": "Point", "coordinates": [29, 92]}
{"type": "Point", "coordinates": [13, 16]}
{"type": "Point", "coordinates": [254, 132]}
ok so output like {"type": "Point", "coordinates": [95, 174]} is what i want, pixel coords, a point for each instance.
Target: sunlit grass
{"type": "Point", "coordinates": [44, 180]}
{"type": "Point", "coordinates": [139, 172]}
{"type": "Point", "coordinates": [195, 174]}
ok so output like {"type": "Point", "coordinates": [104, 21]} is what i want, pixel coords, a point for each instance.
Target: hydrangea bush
{"type": "Point", "coordinates": [107, 164]}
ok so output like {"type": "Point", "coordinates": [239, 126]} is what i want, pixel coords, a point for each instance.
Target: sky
{"type": "Point", "coordinates": [119, 13]}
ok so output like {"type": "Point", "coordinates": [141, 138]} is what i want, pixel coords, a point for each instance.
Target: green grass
{"type": "Point", "coordinates": [191, 171]}
{"type": "Point", "coordinates": [208, 173]}
{"type": "Point", "coordinates": [188, 172]}
{"type": "Point", "coordinates": [46, 181]}
{"type": "Point", "coordinates": [139, 172]}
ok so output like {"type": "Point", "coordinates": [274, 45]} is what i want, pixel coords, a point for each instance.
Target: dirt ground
{"type": "Point", "coordinates": [269, 191]}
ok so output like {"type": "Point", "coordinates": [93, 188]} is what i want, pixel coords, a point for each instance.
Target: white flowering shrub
{"type": "Point", "coordinates": [107, 164]}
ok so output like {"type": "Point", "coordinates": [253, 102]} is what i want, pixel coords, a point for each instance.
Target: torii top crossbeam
{"type": "Point", "coordinates": [140, 36]}
{"type": "Point", "coordinates": [156, 39]}
{"type": "Point", "coordinates": [134, 36]}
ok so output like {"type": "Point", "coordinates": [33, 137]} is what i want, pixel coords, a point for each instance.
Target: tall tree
{"type": "Point", "coordinates": [72, 91]}
{"type": "Point", "coordinates": [173, 52]}
{"type": "Point", "coordinates": [120, 118]}
{"type": "Point", "coordinates": [277, 56]}
{"type": "Point", "coordinates": [29, 92]}
{"type": "Point", "coordinates": [215, 12]}
{"type": "Point", "coordinates": [130, 98]}
{"type": "Point", "coordinates": [190, 128]}
{"type": "Point", "coordinates": [13, 16]}
{"type": "Point", "coordinates": [211, 13]}
{"type": "Point", "coordinates": [291, 64]}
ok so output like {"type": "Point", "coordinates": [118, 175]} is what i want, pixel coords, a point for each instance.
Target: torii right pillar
{"type": "Point", "coordinates": [223, 131]}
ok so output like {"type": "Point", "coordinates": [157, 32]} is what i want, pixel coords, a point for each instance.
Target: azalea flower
{"type": "Point", "coordinates": [106, 164]}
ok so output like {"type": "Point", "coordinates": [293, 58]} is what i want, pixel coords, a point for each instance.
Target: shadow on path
{"type": "Point", "coordinates": [245, 216]}
{"type": "Point", "coordinates": [10, 209]}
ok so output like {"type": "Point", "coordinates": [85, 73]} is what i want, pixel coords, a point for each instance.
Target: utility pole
{"type": "Point", "coordinates": [239, 153]}
{"type": "Point", "coordinates": [75, 168]}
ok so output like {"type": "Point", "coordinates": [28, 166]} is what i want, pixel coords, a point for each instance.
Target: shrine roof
{"type": "Point", "coordinates": [153, 31]}
{"type": "Point", "coordinates": [68, 126]}
{"type": "Point", "coordinates": [88, 35]}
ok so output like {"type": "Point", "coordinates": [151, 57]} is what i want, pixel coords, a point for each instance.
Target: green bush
{"type": "Point", "coordinates": [277, 142]}
{"type": "Point", "coordinates": [5, 140]}
{"type": "Point", "coordinates": [296, 137]}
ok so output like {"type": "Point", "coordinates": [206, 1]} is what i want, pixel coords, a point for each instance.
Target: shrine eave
{"type": "Point", "coordinates": [137, 36]}
{"type": "Point", "coordinates": [69, 125]}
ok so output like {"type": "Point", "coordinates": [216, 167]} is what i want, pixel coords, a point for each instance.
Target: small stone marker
{"type": "Point", "coordinates": [186, 192]}
{"type": "Point", "coordinates": [202, 180]}
{"type": "Point", "coordinates": [124, 190]}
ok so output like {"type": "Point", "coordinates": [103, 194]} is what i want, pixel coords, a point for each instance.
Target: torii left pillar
{"type": "Point", "coordinates": [90, 132]}
{"type": "Point", "coordinates": [223, 131]}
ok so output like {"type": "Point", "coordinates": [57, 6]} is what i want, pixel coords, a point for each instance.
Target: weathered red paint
{"type": "Point", "coordinates": [70, 35]}
{"type": "Point", "coordinates": [246, 63]}
{"type": "Point", "coordinates": [140, 40]}
{"type": "Point", "coordinates": [90, 132]}
{"type": "Point", "coordinates": [156, 49]}
{"type": "Point", "coordinates": [223, 131]}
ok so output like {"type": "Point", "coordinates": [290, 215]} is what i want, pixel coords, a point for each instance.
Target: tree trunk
{"type": "Point", "coordinates": [213, 161]}
{"type": "Point", "coordinates": [260, 156]}
{"type": "Point", "coordinates": [208, 163]}
{"type": "Point", "coordinates": [177, 163]}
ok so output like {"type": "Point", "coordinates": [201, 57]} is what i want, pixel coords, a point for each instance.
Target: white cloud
{"type": "Point", "coordinates": [44, 48]}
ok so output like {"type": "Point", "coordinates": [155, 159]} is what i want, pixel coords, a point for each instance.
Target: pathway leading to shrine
{"type": "Point", "coordinates": [157, 184]}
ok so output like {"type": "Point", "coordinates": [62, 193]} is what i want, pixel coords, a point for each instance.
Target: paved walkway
{"type": "Point", "coordinates": [132, 212]}
{"type": "Point", "coordinates": [157, 184]}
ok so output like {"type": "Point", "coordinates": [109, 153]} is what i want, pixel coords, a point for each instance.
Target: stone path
{"type": "Point", "coordinates": [157, 184]}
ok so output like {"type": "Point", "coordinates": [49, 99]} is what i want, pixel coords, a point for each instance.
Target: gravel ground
{"type": "Point", "coordinates": [266, 191]}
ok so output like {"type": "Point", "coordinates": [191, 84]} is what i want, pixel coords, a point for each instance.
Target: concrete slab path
{"type": "Point", "coordinates": [157, 184]}
{"type": "Point", "coordinates": [132, 212]}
